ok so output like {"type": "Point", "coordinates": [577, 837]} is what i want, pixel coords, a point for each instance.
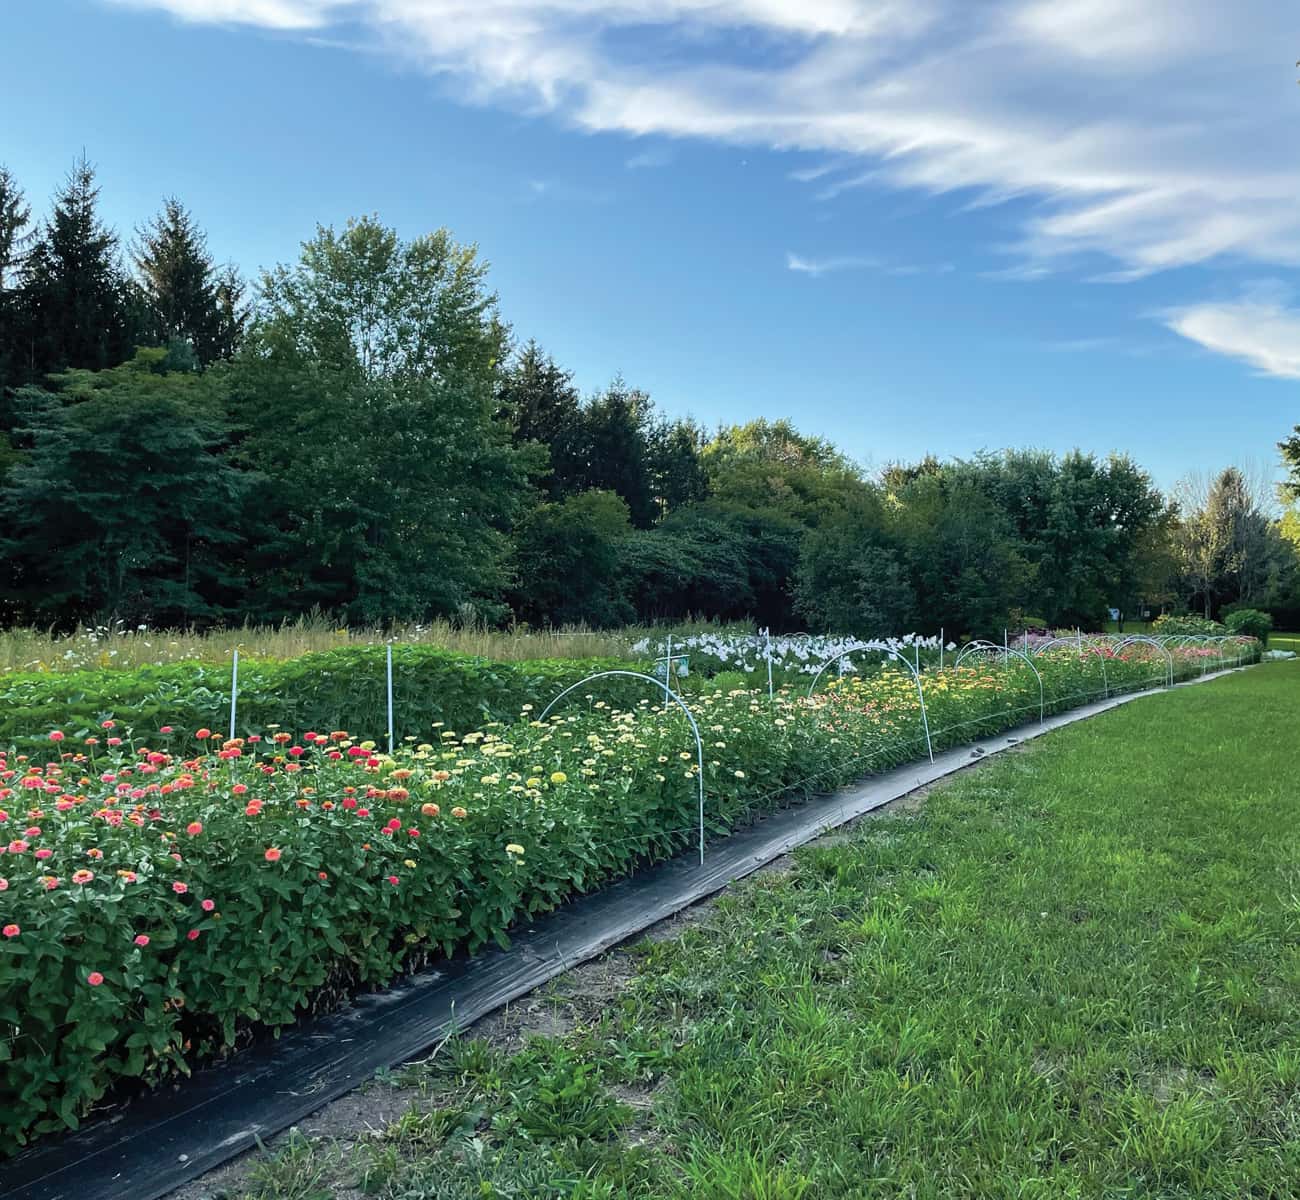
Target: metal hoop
{"type": "Point", "coordinates": [980, 646]}
{"type": "Point", "coordinates": [882, 648]}
{"type": "Point", "coordinates": [1081, 648]}
{"type": "Point", "coordinates": [1143, 639]}
{"type": "Point", "coordinates": [669, 694]}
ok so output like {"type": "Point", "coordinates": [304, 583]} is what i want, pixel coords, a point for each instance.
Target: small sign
{"type": "Point", "coordinates": [1114, 614]}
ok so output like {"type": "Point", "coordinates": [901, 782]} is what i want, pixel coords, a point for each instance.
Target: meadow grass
{"type": "Point", "coordinates": [115, 646]}
{"type": "Point", "coordinates": [1072, 972]}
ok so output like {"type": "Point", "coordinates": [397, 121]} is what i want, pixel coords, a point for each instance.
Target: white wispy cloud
{"type": "Point", "coordinates": [1157, 133]}
{"type": "Point", "coordinates": [658, 156]}
{"type": "Point", "coordinates": [822, 266]}
{"type": "Point", "coordinates": [803, 265]}
{"type": "Point", "coordinates": [1259, 329]}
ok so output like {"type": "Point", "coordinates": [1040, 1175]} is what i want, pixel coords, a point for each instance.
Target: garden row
{"type": "Point", "coordinates": [161, 896]}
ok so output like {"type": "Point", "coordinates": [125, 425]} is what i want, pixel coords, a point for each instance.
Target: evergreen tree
{"type": "Point", "coordinates": [617, 450]}
{"type": "Point", "coordinates": [78, 306]}
{"type": "Point", "coordinates": [15, 215]}
{"type": "Point", "coordinates": [187, 300]}
{"type": "Point", "coordinates": [537, 400]}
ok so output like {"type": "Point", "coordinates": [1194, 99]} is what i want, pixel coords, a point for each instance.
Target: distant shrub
{"type": "Point", "coordinates": [1250, 622]}
{"type": "Point", "coordinates": [1186, 624]}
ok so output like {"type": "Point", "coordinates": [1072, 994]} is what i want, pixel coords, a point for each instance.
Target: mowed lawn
{"type": "Point", "coordinates": [1074, 971]}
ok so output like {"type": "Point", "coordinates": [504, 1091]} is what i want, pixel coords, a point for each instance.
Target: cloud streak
{"type": "Point", "coordinates": [1259, 331]}
{"type": "Point", "coordinates": [1153, 135]}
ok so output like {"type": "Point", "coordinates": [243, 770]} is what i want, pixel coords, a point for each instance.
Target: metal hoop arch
{"type": "Point", "coordinates": [669, 694]}
{"type": "Point", "coordinates": [1142, 639]}
{"type": "Point", "coordinates": [981, 646]}
{"type": "Point", "coordinates": [1082, 649]}
{"type": "Point", "coordinates": [882, 648]}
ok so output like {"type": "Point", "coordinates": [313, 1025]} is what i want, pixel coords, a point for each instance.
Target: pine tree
{"type": "Point", "coordinates": [15, 214]}
{"type": "Point", "coordinates": [77, 304]}
{"type": "Point", "coordinates": [187, 300]}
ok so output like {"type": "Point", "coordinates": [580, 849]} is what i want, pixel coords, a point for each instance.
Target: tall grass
{"type": "Point", "coordinates": [113, 646]}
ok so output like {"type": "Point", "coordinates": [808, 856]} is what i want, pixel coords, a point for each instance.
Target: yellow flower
{"type": "Point", "coordinates": [514, 848]}
{"type": "Point", "coordinates": [410, 862]}
{"type": "Point", "coordinates": [559, 777]}
{"type": "Point", "coordinates": [534, 782]}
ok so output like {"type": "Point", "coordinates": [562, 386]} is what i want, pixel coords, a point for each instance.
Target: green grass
{"type": "Point", "coordinates": [1072, 973]}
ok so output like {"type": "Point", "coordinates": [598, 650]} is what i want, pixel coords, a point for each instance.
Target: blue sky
{"type": "Point", "coordinates": [910, 225]}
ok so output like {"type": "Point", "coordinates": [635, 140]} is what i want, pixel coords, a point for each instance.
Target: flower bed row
{"type": "Point", "coordinates": [334, 689]}
{"type": "Point", "coordinates": [162, 895]}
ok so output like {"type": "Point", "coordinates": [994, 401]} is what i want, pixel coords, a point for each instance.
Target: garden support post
{"type": "Point", "coordinates": [234, 690]}
{"type": "Point", "coordinates": [390, 697]}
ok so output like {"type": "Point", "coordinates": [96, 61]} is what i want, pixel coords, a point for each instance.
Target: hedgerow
{"type": "Point", "coordinates": [162, 894]}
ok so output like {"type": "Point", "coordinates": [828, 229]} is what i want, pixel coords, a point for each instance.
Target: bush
{"type": "Point", "coordinates": [333, 689]}
{"type": "Point", "coordinates": [1187, 624]}
{"type": "Point", "coordinates": [1250, 622]}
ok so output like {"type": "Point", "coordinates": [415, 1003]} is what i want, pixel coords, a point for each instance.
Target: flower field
{"type": "Point", "coordinates": [165, 892]}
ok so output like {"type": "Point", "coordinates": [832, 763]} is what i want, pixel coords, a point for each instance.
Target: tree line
{"type": "Point", "coordinates": [361, 433]}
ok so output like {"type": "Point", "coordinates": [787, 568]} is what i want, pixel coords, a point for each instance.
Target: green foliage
{"type": "Point", "coordinates": [188, 300]}
{"type": "Point", "coordinates": [569, 564]}
{"type": "Point", "coordinates": [126, 501]}
{"type": "Point", "coordinates": [366, 393]}
{"type": "Point", "coordinates": [1169, 623]}
{"type": "Point", "coordinates": [77, 306]}
{"type": "Point", "coordinates": [185, 894]}
{"type": "Point", "coordinates": [1249, 622]}
{"type": "Point", "coordinates": [336, 689]}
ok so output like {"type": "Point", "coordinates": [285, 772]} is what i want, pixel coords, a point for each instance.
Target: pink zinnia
{"type": "Point", "coordinates": [208, 905]}
{"type": "Point", "coordinates": [193, 934]}
{"type": "Point", "coordinates": [272, 855]}
{"type": "Point", "coordinates": [141, 939]}
{"type": "Point", "coordinates": [11, 930]}
{"type": "Point", "coordinates": [180, 888]}
{"type": "Point", "coordinates": [56, 736]}
{"type": "Point", "coordinates": [94, 979]}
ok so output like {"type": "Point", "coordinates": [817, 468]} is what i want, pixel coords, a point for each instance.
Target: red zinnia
{"type": "Point", "coordinates": [56, 736]}
{"type": "Point", "coordinates": [194, 828]}
{"type": "Point", "coordinates": [272, 855]}
{"type": "Point", "coordinates": [193, 935]}
{"type": "Point", "coordinates": [11, 930]}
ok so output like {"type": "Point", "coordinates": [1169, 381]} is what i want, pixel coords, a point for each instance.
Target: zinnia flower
{"type": "Point", "coordinates": [272, 855]}
{"type": "Point", "coordinates": [82, 876]}
{"type": "Point", "coordinates": [514, 848]}
{"type": "Point", "coordinates": [208, 905]}
{"type": "Point", "coordinates": [56, 736]}
{"type": "Point", "coordinates": [180, 888]}
{"type": "Point", "coordinates": [193, 935]}
{"type": "Point", "coordinates": [94, 979]}
{"type": "Point", "coordinates": [141, 939]}
{"type": "Point", "coordinates": [11, 931]}
{"type": "Point", "coordinates": [194, 828]}
{"type": "Point", "coordinates": [559, 777]}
